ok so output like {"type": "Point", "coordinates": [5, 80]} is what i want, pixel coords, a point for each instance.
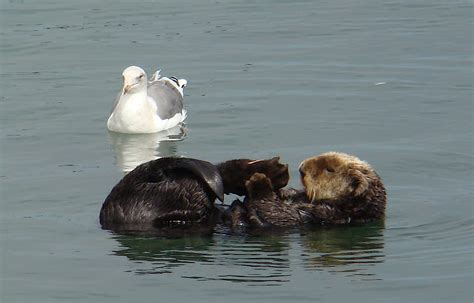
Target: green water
{"type": "Point", "coordinates": [388, 81]}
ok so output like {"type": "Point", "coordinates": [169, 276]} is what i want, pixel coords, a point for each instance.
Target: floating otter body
{"type": "Point", "coordinates": [338, 189]}
{"type": "Point", "coordinates": [179, 191]}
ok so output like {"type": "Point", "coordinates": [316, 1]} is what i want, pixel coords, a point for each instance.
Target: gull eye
{"type": "Point", "coordinates": [141, 76]}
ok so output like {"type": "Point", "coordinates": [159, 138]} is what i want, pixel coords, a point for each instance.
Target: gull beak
{"type": "Point", "coordinates": [128, 84]}
{"type": "Point", "coordinates": [126, 88]}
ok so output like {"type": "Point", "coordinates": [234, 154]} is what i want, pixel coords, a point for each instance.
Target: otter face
{"type": "Point", "coordinates": [332, 176]}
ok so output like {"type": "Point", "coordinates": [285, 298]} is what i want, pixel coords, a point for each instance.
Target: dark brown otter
{"type": "Point", "coordinates": [235, 173]}
{"type": "Point", "coordinates": [177, 191]}
{"type": "Point", "coordinates": [339, 189]}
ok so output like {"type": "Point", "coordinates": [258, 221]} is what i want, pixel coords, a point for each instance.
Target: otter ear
{"type": "Point", "coordinates": [359, 182]}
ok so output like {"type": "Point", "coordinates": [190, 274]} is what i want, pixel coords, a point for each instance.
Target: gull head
{"type": "Point", "coordinates": [134, 80]}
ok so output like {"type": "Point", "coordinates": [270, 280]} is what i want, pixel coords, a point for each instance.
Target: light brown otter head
{"type": "Point", "coordinates": [334, 176]}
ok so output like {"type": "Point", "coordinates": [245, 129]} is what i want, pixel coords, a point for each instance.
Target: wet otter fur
{"type": "Point", "coordinates": [235, 173]}
{"type": "Point", "coordinates": [338, 189]}
{"type": "Point", "coordinates": [180, 191]}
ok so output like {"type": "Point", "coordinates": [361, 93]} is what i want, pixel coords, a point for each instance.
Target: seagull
{"type": "Point", "coordinates": [144, 106]}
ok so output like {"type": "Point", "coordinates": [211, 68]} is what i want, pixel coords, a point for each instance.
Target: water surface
{"type": "Point", "coordinates": [390, 82]}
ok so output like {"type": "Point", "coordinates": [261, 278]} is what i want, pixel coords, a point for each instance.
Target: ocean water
{"type": "Point", "coordinates": [388, 81]}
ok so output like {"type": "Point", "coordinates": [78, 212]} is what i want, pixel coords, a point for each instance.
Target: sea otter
{"type": "Point", "coordinates": [179, 191]}
{"type": "Point", "coordinates": [338, 189]}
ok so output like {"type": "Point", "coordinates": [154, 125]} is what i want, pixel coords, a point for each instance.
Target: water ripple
{"type": "Point", "coordinates": [264, 259]}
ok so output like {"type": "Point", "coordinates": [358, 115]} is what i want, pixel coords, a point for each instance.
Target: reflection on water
{"type": "Point", "coordinates": [262, 259]}
{"type": "Point", "coordinates": [252, 260]}
{"type": "Point", "coordinates": [343, 248]}
{"type": "Point", "coordinates": [164, 254]}
{"type": "Point", "coordinates": [132, 150]}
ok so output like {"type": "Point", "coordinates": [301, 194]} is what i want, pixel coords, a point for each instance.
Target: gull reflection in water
{"type": "Point", "coordinates": [132, 150]}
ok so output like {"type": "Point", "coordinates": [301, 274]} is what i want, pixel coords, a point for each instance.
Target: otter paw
{"type": "Point", "coordinates": [258, 184]}
{"type": "Point", "coordinates": [273, 170]}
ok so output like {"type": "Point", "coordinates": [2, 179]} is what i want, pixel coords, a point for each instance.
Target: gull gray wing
{"type": "Point", "coordinates": [167, 98]}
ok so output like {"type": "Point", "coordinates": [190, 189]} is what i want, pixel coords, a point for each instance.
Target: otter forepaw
{"type": "Point", "coordinates": [258, 185]}
{"type": "Point", "coordinates": [273, 170]}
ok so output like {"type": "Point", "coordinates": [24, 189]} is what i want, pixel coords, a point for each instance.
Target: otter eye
{"type": "Point", "coordinates": [329, 169]}
{"type": "Point", "coordinates": [302, 173]}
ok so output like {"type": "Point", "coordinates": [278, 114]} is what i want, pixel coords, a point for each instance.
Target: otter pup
{"type": "Point", "coordinates": [177, 191]}
{"type": "Point", "coordinates": [338, 189]}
